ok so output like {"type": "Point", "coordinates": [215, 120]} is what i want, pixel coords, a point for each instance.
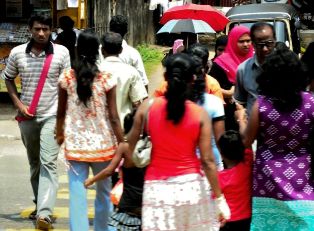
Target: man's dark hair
{"type": "Point", "coordinates": [66, 23]}
{"type": "Point", "coordinates": [112, 43]}
{"type": "Point", "coordinates": [41, 19]}
{"type": "Point", "coordinates": [259, 26]}
{"type": "Point", "coordinates": [119, 24]}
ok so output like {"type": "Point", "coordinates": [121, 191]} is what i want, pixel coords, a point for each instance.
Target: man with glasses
{"type": "Point", "coordinates": [264, 39]}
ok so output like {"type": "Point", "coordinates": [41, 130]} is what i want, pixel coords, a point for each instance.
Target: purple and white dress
{"type": "Point", "coordinates": [283, 190]}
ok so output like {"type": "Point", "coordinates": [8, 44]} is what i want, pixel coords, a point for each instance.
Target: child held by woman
{"type": "Point", "coordinates": [236, 180]}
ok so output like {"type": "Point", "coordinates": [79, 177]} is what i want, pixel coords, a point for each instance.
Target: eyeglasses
{"type": "Point", "coordinates": [268, 44]}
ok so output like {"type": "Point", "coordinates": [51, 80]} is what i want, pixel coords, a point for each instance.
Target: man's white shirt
{"type": "Point", "coordinates": [131, 56]}
{"type": "Point", "coordinates": [130, 87]}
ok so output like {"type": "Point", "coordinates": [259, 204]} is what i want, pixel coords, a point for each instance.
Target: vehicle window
{"type": "Point", "coordinates": [280, 28]}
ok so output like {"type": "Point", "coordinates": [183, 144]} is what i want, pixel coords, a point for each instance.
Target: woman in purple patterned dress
{"type": "Point", "coordinates": [282, 120]}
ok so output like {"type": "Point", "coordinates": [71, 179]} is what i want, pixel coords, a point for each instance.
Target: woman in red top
{"type": "Point", "coordinates": [177, 195]}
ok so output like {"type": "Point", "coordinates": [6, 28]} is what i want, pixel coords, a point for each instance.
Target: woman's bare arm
{"type": "Point", "coordinates": [248, 128]}
{"type": "Point", "coordinates": [218, 129]}
{"type": "Point", "coordinates": [62, 104]}
{"type": "Point", "coordinates": [207, 157]}
{"type": "Point", "coordinates": [109, 170]}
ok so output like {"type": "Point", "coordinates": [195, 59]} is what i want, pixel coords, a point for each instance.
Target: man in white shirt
{"type": "Point", "coordinates": [130, 89]}
{"type": "Point", "coordinates": [129, 55]}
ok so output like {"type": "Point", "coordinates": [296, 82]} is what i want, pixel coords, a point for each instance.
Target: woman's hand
{"type": "Point", "coordinates": [88, 182]}
{"type": "Point", "coordinates": [240, 114]}
{"type": "Point", "coordinates": [222, 209]}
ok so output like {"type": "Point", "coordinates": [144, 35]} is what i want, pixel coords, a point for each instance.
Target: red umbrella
{"type": "Point", "coordinates": [216, 19]}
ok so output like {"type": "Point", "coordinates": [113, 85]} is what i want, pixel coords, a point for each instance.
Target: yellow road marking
{"type": "Point", "coordinates": [59, 212]}
{"type": "Point", "coordinates": [63, 193]}
{"type": "Point", "coordinates": [34, 229]}
{"type": "Point", "coordinates": [63, 179]}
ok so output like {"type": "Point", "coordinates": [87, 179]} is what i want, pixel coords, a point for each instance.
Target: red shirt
{"type": "Point", "coordinates": [173, 145]}
{"type": "Point", "coordinates": [236, 185]}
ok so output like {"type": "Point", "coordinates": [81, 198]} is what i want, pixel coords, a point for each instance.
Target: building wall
{"type": "Point", "coordinates": [226, 3]}
{"type": "Point", "coordinates": [141, 26]}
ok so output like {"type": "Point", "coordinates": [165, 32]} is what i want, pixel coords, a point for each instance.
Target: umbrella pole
{"type": "Point", "coordinates": [187, 41]}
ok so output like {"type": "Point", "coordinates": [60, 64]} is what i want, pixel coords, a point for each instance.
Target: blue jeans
{"type": "Point", "coordinates": [78, 173]}
{"type": "Point", "coordinates": [42, 152]}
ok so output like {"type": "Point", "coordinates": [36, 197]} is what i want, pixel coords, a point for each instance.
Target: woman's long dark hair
{"type": "Point", "coordinates": [85, 65]}
{"type": "Point", "coordinates": [180, 70]}
{"type": "Point", "coordinates": [200, 55]}
{"type": "Point", "coordinates": [283, 79]}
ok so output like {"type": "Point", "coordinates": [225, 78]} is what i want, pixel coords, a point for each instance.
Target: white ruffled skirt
{"type": "Point", "coordinates": [179, 203]}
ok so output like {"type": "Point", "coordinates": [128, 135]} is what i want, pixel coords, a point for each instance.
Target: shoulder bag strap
{"type": "Point", "coordinates": [41, 83]}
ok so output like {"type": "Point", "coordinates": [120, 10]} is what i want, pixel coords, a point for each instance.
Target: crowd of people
{"type": "Point", "coordinates": [205, 172]}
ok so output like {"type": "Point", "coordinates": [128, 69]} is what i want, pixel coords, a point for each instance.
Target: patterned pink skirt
{"type": "Point", "coordinates": [179, 203]}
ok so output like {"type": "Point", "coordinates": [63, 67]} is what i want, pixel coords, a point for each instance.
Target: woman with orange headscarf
{"type": "Point", "coordinates": [239, 48]}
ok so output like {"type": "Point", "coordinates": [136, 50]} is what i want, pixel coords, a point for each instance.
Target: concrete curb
{"type": "Point", "coordinates": [9, 137]}
{"type": "Point", "coordinates": [9, 130]}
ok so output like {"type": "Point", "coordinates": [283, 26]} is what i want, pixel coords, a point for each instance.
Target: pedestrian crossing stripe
{"type": "Point", "coordinates": [59, 212]}
{"type": "Point", "coordinates": [63, 193]}
{"type": "Point", "coordinates": [34, 229]}
{"type": "Point", "coordinates": [63, 179]}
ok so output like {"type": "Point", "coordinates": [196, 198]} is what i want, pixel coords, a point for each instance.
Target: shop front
{"type": "Point", "coordinates": [14, 15]}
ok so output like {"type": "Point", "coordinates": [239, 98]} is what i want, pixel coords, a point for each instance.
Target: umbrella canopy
{"type": "Point", "coordinates": [186, 25]}
{"type": "Point", "coordinates": [207, 13]}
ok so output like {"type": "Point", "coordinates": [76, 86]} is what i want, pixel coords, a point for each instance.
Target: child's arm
{"type": "Point", "coordinates": [110, 169]}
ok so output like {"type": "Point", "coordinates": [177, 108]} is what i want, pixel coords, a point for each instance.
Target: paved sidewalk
{"type": "Point", "coordinates": [155, 79]}
{"type": "Point", "coordinates": [9, 130]}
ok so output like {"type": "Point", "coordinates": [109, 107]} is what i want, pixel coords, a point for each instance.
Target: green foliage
{"type": "Point", "coordinates": [149, 53]}
{"type": "Point", "coordinates": [151, 56]}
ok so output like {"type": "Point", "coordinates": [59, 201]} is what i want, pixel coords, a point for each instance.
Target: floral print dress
{"type": "Point", "coordinates": [88, 133]}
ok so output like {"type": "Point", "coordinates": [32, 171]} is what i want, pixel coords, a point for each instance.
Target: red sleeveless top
{"type": "Point", "coordinates": [174, 146]}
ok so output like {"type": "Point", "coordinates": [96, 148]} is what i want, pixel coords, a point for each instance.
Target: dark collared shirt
{"type": "Point", "coordinates": [245, 91]}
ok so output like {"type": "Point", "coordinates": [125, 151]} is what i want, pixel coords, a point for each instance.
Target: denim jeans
{"type": "Point", "coordinates": [42, 152]}
{"type": "Point", "coordinates": [78, 173]}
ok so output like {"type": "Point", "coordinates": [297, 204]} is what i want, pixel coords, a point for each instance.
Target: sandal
{"type": "Point", "coordinates": [32, 215]}
{"type": "Point", "coordinates": [44, 223]}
